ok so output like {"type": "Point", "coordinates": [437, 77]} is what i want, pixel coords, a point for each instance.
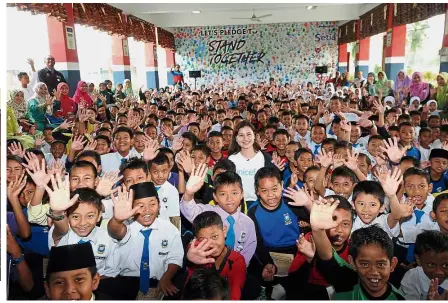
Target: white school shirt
{"type": "Point", "coordinates": [247, 169]}
{"type": "Point", "coordinates": [424, 153]}
{"type": "Point", "coordinates": [330, 192]}
{"type": "Point", "coordinates": [361, 145]}
{"type": "Point", "coordinates": [49, 159]}
{"type": "Point", "coordinates": [436, 144]}
{"type": "Point", "coordinates": [415, 284]}
{"type": "Point", "coordinates": [169, 198]}
{"type": "Point", "coordinates": [216, 127]}
{"type": "Point", "coordinates": [381, 221]}
{"type": "Point", "coordinates": [165, 247]}
{"type": "Point", "coordinates": [312, 145]}
{"type": "Point", "coordinates": [104, 248]}
{"type": "Point", "coordinates": [409, 227]}
{"type": "Point", "coordinates": [298, 137]}
{"type": "Point", "coordinates": [112, 161]}
{"type": "Point", "coordinates": [28, 92]}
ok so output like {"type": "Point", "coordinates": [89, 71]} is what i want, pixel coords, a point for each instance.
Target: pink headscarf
{"type": "Point", "coordinates": [80, 94]}
{"type": "Point", "coordinates": [420, 89]}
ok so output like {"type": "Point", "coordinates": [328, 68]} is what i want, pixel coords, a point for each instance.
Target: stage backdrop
{"type": "Point", "coordinates": [249, 53]}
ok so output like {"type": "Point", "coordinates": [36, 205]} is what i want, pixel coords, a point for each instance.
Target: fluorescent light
{"type": "Point", "coordinates": [196, 12]}
{"type": "Point", "coordinates": [311, 7]}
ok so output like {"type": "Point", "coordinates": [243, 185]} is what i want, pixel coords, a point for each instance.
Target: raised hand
{"type": "Point", "coordinates": [278, 162]}
{"type": "Point", "coordinates": [307, 248]}
{"type": "Point", "coordinates": [66, 125]}
{"type": "Point", "coordinates": [366, 123]}
{"type": "Point", "coordinates": [196, 179]}
{"type": "Point", "coordinates": [36, 170]}
{"type": "Point", "coordinates": [268, 272]}
{"type": "Point", "coordinates": [57, 166]}
{"type": "Point", "coordinates": [60, 194]}
{"type": "Point", "coordinates": [327, 118]}
{"type": "Point", "coordinates": [345, 126]}
{"type": "Point", "coordinates": [16, 186]}
{"type": "Point", "coordinates": [91, 145]}
{"type": "Point", "coordinates": [185, 162]}
{"type": "Point", "coordinates": [392, 150]}
{"type": "Point", "coordinates": [352, 161]}
{"type": "Point", "coordinates": [445, 145]}
{"type": "Point", "coordinates": [322, 214]}
{"type": "Point", "coordinates": [151, 149]}
{"type": "Point", "coordinates": [178, 144]}
{"type": "Point", "coordinates": [324, 159]}
{"type": "Point", "coordinates": [56, 94]}
{"type": "Point", "coordinates": [78, 143]}
{"type": "Point", "coordinates": [299, 196]}
{"type": "Point", "coordinates": [406, 207]}
{"type": "Point", "coordinates": [294, 178]}
{"type": "Point", "coordinates": [123, 205]}
{"type": "Point", "coordinates": [16, 149]}
{"type": "Point", "coordinates": [391, 182]}
{"type": "Point", "coordinates": [49, 100]}
{"type": "Point", "coordinates": [433, 291]}
{"type": "Point", "coordinates": [104, 187]}
{"type": "Point", "coordinates": [38, 141]}
{"type": "Point", "coordinates": [200, 253]}
{"type": "Point", "coordinates": [338, 160]}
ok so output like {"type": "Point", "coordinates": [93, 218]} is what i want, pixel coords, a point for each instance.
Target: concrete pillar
{"type": "Point", "coordinates": [342, 65]}
{"type": "Point", "coordinates": [152, 73]}
{"type": "Point", "coordinates": [121, 63]}
{"type": "Point", "coordinates": [394, 51]}
{"type": "Point", "coordinates": [61, 37]}
{"type": "Point", "coordinates": [444, 51]}
{"type": "Point", "coordinates": [363, 56]}
{"type": "Point", "coordinates": [170, 60]}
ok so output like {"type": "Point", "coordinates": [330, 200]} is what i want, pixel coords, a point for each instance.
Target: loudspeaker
{"type": "Point", "coordinates": [321, 69]}
{"type": "Point", "coordinates": [194, 74]}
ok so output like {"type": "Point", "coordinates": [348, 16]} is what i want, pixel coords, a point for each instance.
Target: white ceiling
{"type": "Point", "coordinates": [169, 15]}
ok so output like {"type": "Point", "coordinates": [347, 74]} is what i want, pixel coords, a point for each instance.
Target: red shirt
{"type": "Point", "coordinates": [212, 161]}
{"type": "Point", "coordinates": [315, 276]}
{"type": "Point", "coordinates": [233, 268]}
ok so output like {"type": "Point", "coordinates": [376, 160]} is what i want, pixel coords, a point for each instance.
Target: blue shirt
{"type": "Point", "coordinates": [441, 184]}
{"type": "Point", "coordinates": [414, 152]}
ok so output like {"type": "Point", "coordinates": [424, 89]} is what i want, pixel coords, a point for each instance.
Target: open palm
{"type": "Point", "coordinates": [123, 205]}
{"type": "Point", "coordinates": [322, 212]}
{"type": "Point", "coordinates": [60, 194]}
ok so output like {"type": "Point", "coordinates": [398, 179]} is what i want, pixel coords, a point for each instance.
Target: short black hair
{"type": "Point", "coordinates": [22, 74]}
{"type": "Point", "coordinates": [105, 138]}
{"type": "Point", "coordinates": [369, 188]}
{"type": "Point", "coordinates": [160, 159]}
{"type": "Point", "coordinates": [58, 142]}
{"type": "Point", "coordinates": [444, 128]}
{"type": "Point", "coordinates": [310, 169]}
{"type": "Point", "coordinates": [206, 219]}
{"type": "Point", "coordinates": [318, 125]}
{"type": "Point", "coordinates": [374, 137]}
{"type": "Point", "coordinates": [214, 133]}
{"type": "Point", "coordinates": [302, 151]}
{"type": "Point", "coordinates": [331, 141]}
{"type": "Point", "coordinates": [195, 124]}
{"type": "Point", "coordinates": [226, 128]}
{"type": "Point", "coordinates": [438, 200]}
{"type": "Point", "coordinates": [35, 151]}
{"type": "Point", "coordinates": [431, 241]}
{"type": "Point", "coordinates": [224, 164]}
{"type": "Point", "coordinates": [415, 161]}
{"type": "Point", "coordinates": [267, 172]}
{"type": "Point", "coordinates": [414, 171]}
{"type": "Point", "coordinates": [166, 150]}
{"type": "Point", "coordinates": [162, 108]}
{"type": "Point", "coordinates": [203, 148]}
{"type": "Point", "coordinates": [206, 284]}
{"type": "Point", "coordinates": [134, 163]}
{"type": "Point", "coordinates": [88, 196]}
{"type": "Point", "coordinates": [424, 130]}
{"type": "Point", "coordinates": [104, 129]}
{"type": "Point", "coordinates": [227, 178]}
{"type": "Point", "coordinates": [343, 171]}
{"type": "Point", "coordinates": [372, 235]}
{"type": "Point", "coordinates": [123, 129]}
{"type": "Point", "coordinates": [343, 204]}
{"type": "Point", "coordinates": [190, 136]}
{"type": "Point", "coordinates": [90, 153]}
{"type": "Point", "coordinates": [362, 155]}
{"type": "Point", "coordinates": [281, 131]}
{"type": "Point", "coordinates": [16, 158]}
{"type": "Point", "coordinates": [83, 164]}
{"type": "Point", "coordinates": [403, 124]}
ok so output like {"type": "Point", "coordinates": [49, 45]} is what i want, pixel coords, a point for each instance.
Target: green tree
{"type": "Point", "coordinates": [415, 36]}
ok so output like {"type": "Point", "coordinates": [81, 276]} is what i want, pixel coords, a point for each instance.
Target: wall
{"type": "Point", "coordinates": [247, 54]}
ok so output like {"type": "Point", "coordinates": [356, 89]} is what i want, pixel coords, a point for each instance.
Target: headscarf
{"type": "Point", "coordinates": [371, 86]}
{"type": "Point", "coordinates": [19, 109]}
{"type": "Point", "coordinates": [380, 85]}
{"type": "Point", "coordinates": [420, 89]}
{"type": "Point", "coordinates": [88, 85]}
{"type": "Point", "coordinates": [411, 105]}
{"type": "Point", "coordinates": [389, 99]}
{"type": "Point", "coordinates": [36, 95]}
{"type": "Point", "coordinates": [79, 94]}
{"type": "Point", "coordinates": [67, 104]}
{"type": "Point", "coordinates": [442, 91]}
{"type": "Point", "coordinates": [399, 84]}
{"type": "Point", "coordinates": [127, 90]}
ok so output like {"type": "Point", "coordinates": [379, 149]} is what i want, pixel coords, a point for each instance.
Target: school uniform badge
{"type": "Point", "coordinates": [165, 199]}
{"type": "Point", "coordinates": [164, 243]}
{"type": "Point", "coordinates": [287, 219]}
{"type": "Point", "coordinates": [101, 249]}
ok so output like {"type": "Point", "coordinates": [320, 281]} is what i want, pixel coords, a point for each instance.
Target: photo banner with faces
{"type": "Point", "coordinates": [243, 54]}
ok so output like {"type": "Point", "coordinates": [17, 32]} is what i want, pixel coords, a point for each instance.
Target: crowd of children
{"type": "Point", "coordinates": [268, 191]}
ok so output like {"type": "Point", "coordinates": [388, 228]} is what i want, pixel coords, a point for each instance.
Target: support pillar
{"type": "Point", "coordinates": [444, 51]}
{"type": "Point", "coordinates": [170, 61]}
{"type": "Point", "coordinates": [121, 63]}
{"type": "Point", "coordinates": [152, 73]}
{"type": "Point", "coordinates": [363, 56]}
{"type": "Point", "coordinates": [61, 36]}
{"type": "Point", "coordinates": [342, 65]}
{"type": "Point", "coordinates": [394, 52]}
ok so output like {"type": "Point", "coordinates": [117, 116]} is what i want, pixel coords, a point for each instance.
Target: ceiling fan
{"type": "Point", "coordinates": [254, 18]}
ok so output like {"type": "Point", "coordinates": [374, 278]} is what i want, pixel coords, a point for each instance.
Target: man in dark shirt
{"type": "Point", "coordinates": [49, 75]}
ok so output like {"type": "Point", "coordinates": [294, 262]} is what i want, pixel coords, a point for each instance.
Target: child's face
{"type": "Point", "coordinates": [394, 134]}
{"type": "Point", "coordinates": [304, 161]}
{"type": "Point", "coordinates": [151, 132]}
{"type": "Point", "coordinates": [159, 173]}
{"type": "Point", "coordinates": [441, 216]}
{"type": "Point", "coordinates": [72, 285]}
{"type": "Point", "coordinates": [148, 210]}
{"type": "Point", "coordinates": [101, 147]}
{"type": "Point", "coordinates": [227, 137]}
{"type": "Point", "coordinates": [287, 121]}
{"type": "Point", "coordinates": [270, 192]}
{"type": "Point", "coordinates": [13, 170]}
{"type": "Point", "coordinates": [443, 136]}
{"type": "Point", "coordinates": [363, 166]}
{"type": "Point", "coordinates": [367, 207]}
{"type": "Point", "coordinates": [199, 157]}
{"type": "Point", "coordinates": [415, 119]}
{"type": "Point", "coordinates": [48, 136]}
{"type": "Point", "coordinates": [281, 141]}
{"type": "Point", "coordinates": [228, 197]}
{"type": "Point", "coordinates": [406, 134]}
{"type": "Point", "coordinates": [290, 150]}
{"type": "Point", "coordinates": [82, 177]}
{"type": "Point", "coordinates": [310, 179]}
{"type": "Point", "coordinates": [139, 143]}
{"type": "Point", "coordinates": [318, 134]}
{"type": "Point", "coordinates": [417, 187]}
{"type": "Point", "coordinates": [170, 160]}
{"type": "Point", "coordinates": [335, 127]}
{"type": "Point", "coordinates": [432, 106]}
{"type": "Point", "coordinates": [339, 235]}
{"type": "Point", "coordinates": [425, 138]}
{"type": "Point", "coordinates": [328, 148]}
{"type": "Point", "coordinates": [342, 186]}
{"type": "Point", "coordinates": [123, 142]}
{"type": "Point", "coordinates": [343, 152]}
{"type": "Point", "coordinates": [374, 147]}
{"type": "Point", "coordinates": [215, 144]}
{"type": "Point", "coordinates": [134, 176]}
{"type": "Point", "coordinates": [27, 194]}
{"type": "Point", "coordinates": [355, 133]}
{"type": "Point", "coordinates": [374, 268]}
{"type": "Point", "coordinates": [187, 145]}
{"type": "Point", "coordinates": [435, 265]}
{"type": "Point", "coordinates": [194, 129]}
{"type": "Point", "coordinates": [57, 150]}
{"type": "Point", "coordinates": [439, 165]}
{"type": "Point", "coordinates": [301, 126]}
{"type": "Point", "coordinates": [83, 219]}
{"type": "Point", "coordinates": [269, 132]}
{"type": "Point", "coordinates": [216, 236]}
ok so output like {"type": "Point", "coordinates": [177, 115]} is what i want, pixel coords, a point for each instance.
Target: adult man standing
{"type": "Point", "coordinates": [49, 75]}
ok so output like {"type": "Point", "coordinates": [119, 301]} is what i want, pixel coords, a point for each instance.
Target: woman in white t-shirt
{"type": "Point", "coordinates": [248, 158]}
